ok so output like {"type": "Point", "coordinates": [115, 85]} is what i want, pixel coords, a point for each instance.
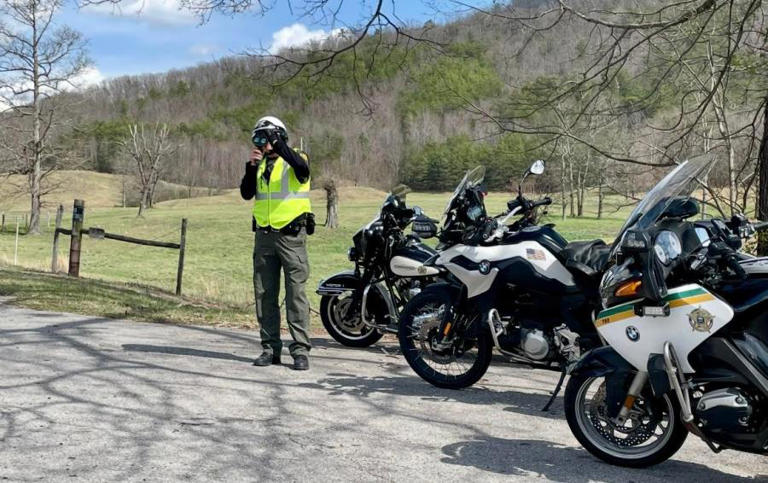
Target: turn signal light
{"type": "Point", "coordinates": [629, 288]}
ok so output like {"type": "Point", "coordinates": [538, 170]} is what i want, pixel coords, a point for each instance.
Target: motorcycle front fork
{"type": "Point", "coordinates": [445, 330]}
{"type": "Point", "coordinates": [679, 385]}
{"type": "Point", "coordinates": [638, 382]}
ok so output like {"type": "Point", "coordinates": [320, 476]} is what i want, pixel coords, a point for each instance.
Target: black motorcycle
{"type": "Point", "coordinates": [520, 288]}
{"type": "Point", "coordinates": [358, 306]}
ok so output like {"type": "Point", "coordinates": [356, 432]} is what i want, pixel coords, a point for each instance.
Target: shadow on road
{"type": "Point", "coordinates": [145, 405]}
{"type": "Point", "coordinates": [562, 463]}
{"type": "Point", "coordinates": [184, 351]}
{"type": "Point", "coordinates": [360, 386]}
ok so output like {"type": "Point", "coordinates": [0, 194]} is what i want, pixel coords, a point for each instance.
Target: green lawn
{"type": "Point", "coordinates": [219, 242]}
{"type": "Point", "coordinates": [46, 291]}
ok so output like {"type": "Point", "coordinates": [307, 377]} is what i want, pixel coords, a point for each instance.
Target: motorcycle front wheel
{"type": "Point", "coordinates": [341, 318]}
{"type": "Point", "coordinates": [452, 364]}
{"type": "Point", "coordinates": [652, 433]}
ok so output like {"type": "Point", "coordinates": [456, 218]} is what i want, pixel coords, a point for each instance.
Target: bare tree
{"type": "Point", "coordinates": [332, 203]}
{"type": "Point", "coordinates": [148, 147]}
{"type": "Point", "coordinates": [37, 60]}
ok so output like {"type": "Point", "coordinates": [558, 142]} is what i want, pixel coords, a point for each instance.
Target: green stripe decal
{"type": "Point", "coordinates": [616, 310]}
{"type": "Point", "coordinates": [630, 306]}
{"type": "Point", "coordinates": [682, 295]}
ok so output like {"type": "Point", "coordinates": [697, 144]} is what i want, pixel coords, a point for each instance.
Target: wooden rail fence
{"type": "Point", "coordinates": [77, 231]}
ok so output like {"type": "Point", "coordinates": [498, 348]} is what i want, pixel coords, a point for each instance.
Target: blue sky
{"type": "Point", "coordinates": [142, 36]}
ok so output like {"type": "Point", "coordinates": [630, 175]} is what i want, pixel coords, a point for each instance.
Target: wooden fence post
{"type": "Point", "coordinates": [2, 224]}
{"type": "Point", "coordinates": [16, 248]}
{"type": "Point", "coordinates": [78, 213]}
{"type": "Point", "coordinates": [182, 245]}
{"type": "Point", "coordinates": [55, 256]}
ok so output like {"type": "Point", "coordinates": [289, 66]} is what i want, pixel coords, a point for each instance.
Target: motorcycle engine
{"type": "Point", "coordinates": [567, 343]}
{"type": "Point", "coordinates": [535, 344]}
{"type": "Point", "coordinates": [408, 288]}
{"type": "Point", "coordinates": [725, 410]}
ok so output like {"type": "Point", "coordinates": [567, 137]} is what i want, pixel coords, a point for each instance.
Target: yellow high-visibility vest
{"type": "Point", "coordinates": [280, 201]}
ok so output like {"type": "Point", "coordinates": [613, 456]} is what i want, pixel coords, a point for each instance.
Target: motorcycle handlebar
{"type": "Point", "coordinates": [761, 225]}
{"type": "Point", "coordinates": [526, 204]}
{"type": "Point", "coordinates": [733, 264]}
{"type": "Point", "coordinates": [542, 202]}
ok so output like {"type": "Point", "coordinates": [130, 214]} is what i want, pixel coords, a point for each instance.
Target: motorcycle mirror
{"type": "Point", "coordinates": [537, 167]}
{"type": "Point", "coordinates": [418, 211]}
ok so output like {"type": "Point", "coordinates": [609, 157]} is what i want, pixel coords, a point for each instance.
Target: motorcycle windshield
{"type": "Point", "coordinates": [679, 183]}
{"type": "Point", "coordinates": [473, 178]}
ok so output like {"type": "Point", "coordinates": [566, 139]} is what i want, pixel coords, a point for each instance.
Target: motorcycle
{"type": "Point", "coordinates": [522, 289]}
{"type": "Point", "coordinates": [388, 272]}
{"type": "Point", "coordinates": [685, 321]}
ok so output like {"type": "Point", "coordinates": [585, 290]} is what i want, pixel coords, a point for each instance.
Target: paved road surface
{"type": "Point", "coordinates": [95, 399]}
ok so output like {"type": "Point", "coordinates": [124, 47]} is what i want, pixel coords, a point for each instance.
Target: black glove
{"type": "Point", "coordinates": [274, 137]}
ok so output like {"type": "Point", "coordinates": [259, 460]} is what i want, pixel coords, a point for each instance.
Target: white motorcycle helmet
{"type": "Point", "coordinates": [267, 123]}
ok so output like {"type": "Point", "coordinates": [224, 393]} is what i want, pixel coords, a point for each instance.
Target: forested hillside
{"type": "Point", "coordinates": [417, 112]}
{"type": "Point", "coordinates": [407, 121]}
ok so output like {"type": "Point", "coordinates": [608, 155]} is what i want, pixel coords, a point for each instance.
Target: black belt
{"type": "Point", "coordinates": [292, 228]}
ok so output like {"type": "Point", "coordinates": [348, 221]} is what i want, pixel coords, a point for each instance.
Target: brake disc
{"type": "Point", "coordinates": [427, 331]}
{"type": "Point", "coordinates": [347, 315]}
{"type": "Point", "coordinates": [638, 433]}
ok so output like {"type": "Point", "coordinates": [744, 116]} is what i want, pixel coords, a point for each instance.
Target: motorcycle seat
{"type": "Point", "coordinates": [586, 257]}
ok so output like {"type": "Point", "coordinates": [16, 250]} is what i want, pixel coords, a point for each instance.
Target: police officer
{"type": "Point", "coordinates": [277, 177]}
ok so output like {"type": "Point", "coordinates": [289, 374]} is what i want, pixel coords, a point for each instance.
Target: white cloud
{"type": "Point", "coordinates": [162, 12]}
{"type": "Point", "coordinates": [298, 34]}
{"type": "Point", "coordinates": [90, 76]}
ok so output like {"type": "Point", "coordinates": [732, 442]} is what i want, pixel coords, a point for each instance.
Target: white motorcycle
{"type": "Point", "coordinates": [515, 286]}
{"type": "Point", "coordinates": [685, 320]}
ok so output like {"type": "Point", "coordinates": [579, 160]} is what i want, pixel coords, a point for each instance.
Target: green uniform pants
{"type": "Point", "coordinates": [271, 253]}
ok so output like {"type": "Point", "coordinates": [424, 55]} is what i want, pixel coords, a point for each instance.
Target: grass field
{"type": "Point", "coordinates": [219, 242]}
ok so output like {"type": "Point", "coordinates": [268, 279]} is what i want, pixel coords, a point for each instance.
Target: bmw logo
{"type": "Point", "coordinates": [485, 267]}
{"type": "Point", "coordinates": [632, 333]}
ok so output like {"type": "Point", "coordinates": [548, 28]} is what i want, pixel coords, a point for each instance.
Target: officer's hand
{"type": "Point", "coordinates": [256, 156]}
{"type": "Point", "coordinates": [273, 137]}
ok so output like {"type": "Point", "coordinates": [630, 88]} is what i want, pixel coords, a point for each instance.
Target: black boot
{"type": "Point", "coordinates": [267, 358]}
{"type": "Point", "coordinates": [300, 363]}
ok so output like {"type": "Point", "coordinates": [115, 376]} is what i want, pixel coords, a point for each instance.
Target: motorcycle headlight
{"type": "Point", "coordinates": [667, 246]}
{"type": "Point", "coordinates": [474, 212]}
{"type": "Point", "coordinates": [634, 240]}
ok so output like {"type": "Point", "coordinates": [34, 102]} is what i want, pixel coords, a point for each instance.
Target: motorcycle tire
{"type": "Point", "coordinates": [595, 436]}
{"type": "Point", "coordinates": [350, 334]}
{"type": "Point", "coordinates": [413, 351]}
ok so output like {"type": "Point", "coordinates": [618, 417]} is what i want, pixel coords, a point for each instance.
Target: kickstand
{"type": "Point", "coordinates": [556, 392]}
